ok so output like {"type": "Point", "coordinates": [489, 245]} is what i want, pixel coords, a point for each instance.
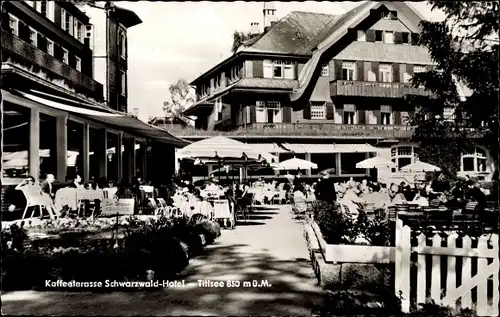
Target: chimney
{"type": "Point", "coordinates": [269, 13]}
{"type": "Point", "coordinates": [254, 28]}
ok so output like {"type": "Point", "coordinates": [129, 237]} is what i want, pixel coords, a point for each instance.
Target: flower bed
{"type": "Point", "coordinates": [133, 250]}
{"type": "Point", "coordinates": [348, 252]}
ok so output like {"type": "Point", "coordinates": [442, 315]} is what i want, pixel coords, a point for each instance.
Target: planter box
{"type": "Point", "coordinates": [351, 267]}
{"type": "Point", "coordinates": [353, 253]}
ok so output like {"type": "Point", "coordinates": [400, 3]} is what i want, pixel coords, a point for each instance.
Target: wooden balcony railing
{"type": "Point", "coordinates": [18, 47]}
{"type": "Point", "coordinates": [304, 130]}
{"type": "Point", "coordinates": [374, 89]}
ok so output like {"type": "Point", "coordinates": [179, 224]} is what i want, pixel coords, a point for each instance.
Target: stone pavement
{"type": "Point", "coordinates": [268, 248]}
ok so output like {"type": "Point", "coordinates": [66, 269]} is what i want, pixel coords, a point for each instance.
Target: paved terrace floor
{"type": "Point", "coordinates": [268, 247]}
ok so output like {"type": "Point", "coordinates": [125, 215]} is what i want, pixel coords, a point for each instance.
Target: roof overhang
{"type": "Point", "coordinates": [127, 17]}
{"type": "Point", "coordinates": [330, 148]}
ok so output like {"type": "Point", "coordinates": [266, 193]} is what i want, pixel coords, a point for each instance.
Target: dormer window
{"type": "Point", "coordinates": [288, 70]}
{"type": "Point", "coordinates": [389, 37]}
{"type": "Point", "coordinates": [379, 36]}
{"type": "Point", "coordinates": [406, 38]}
{"type": "Point", "coordinates": [278, 69]}
{"type": "Point", "coordinates": [361, 36]}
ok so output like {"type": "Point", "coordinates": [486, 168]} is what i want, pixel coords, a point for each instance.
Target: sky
{"type": "Point", "coordinates": [185, 39]}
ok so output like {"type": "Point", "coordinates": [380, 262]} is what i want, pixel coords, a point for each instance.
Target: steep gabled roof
{"type": "Point", "coordinates": [291, 34]}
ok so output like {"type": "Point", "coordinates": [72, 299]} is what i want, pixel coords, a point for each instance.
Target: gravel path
{"type": "Point", "coordinates": [269, 250]}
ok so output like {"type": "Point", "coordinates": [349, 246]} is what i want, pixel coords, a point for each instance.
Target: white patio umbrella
{"type": "Point", "coordinates": [296, 164]}
{"type": "Point", "coordinates": [420, 167]}
{"type": "Point", "coordinates": [375, 162]}
{"type": "Point", "coordinates": [219, 147]}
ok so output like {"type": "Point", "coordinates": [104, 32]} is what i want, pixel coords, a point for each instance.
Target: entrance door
{"type": "Point", "coordinates": [270, 116]}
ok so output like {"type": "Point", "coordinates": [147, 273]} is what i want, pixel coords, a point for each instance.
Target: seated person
{"type": "Point", "coordinates": [474, 193]}
{"type": "Point", "coordinates": [391, 198]}
{"type": "Point", "coordinates": [124, 191]}
{"type": "Point", "coordinates": [420, 199]}
{"type": "Point", "coordinates": [438, 187]}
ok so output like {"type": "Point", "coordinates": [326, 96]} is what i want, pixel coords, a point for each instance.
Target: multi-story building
{"type": "Point", "coordinates": [107, 36]}
{"type": "Point", "coordinates": [56, 119]}
{"type": "Point", "coordinates": [326, 88]}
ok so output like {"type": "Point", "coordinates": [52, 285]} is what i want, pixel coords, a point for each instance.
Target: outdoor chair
{"type": "Point", "coordinates": [299, 206]}
{"type": "Point", "coordinates": [280, 197]}
{"type": "Point", "coordinates": [36, 202]}
{"type": "Point", "coordinates": [154, 205]}
{"type": "Point", "coordinates": [162, 205]}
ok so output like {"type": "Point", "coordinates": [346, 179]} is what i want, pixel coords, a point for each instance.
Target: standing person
{"type": "Point", "coordinates": [326, 189]}
{"type": "Point", "coordinates": [48, 191]}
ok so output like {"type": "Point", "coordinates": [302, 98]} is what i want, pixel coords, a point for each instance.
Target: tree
{"type": "Point", "coordinates": [238, 38]}
{"type": "Point", "coordinates": [181, 97]}
{"type": "Point", "coordinates": [465, 48]}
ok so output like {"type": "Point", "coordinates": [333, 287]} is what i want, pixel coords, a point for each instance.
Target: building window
{"type": "Point", "coordinates": [79, 31]}
{"type": "Point", "coordinates": [379, 36]}
{"type": "Point", "coordinates": [78, 64]}
{"type": "Point", "coordinates": [349, 114]}
{"type": "Point", "coordinates": [14, 25]}
{"type": "Point", "coordinates": [318, 110]}
{"type": "Point", "coordinates": [277, 69]}
{"type": "Point", "coordinates": [386, 115]}
{"type": "Point", "coordinates": [288, 70]}
{"type": "Point", "coordinates": [123, 77]}
{"type": "Point", "coordinates": [406, 77]}
{"type": "Point", "coordinates": [325, 70]}
{"type": "Point", "coordinates": [475, 161]}
{"type": "Point", "coordinates": [50, 47]}
{"type": "Point", "coordinates": [268, 111]}
{"type": "Point", "coordinates": [389, 37]}
{"type": "Point", "coordinates": [123, 48]}
{"type": "Point", "coordinates": [47, 147]}
{"type": "Point", "coordinates": [349, 71]}
{"type": "Point", "coordinates": [41, 6]}
{"type": "Point", "coordinates": [419, 69]}
{"type": "Point", "coordinates": [65, 56]}
{"type": "Point", "coordinates": [348, 163]}
{"type": "Point", "coordinates": [361, 36]}
{"type": "Point", "coordinates": [403, 155]}
{"type": "Point", "coordinates": [385, 73]}
{"type": "Point", "coordinates": [406, 38]}
{"type": "Point", "coordinates": [66, 21]}
{"type": "Point", "coordinates": [33, 36]}
{"type": "Point", "coordinates": [16, 143]}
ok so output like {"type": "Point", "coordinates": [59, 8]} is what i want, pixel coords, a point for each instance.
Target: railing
{"type": "Point", "coordinates": [374, 89]}
{"type": "Point", "coordinates": [43, 60]}
{"type": "Point", "coordinates": [304, 129]}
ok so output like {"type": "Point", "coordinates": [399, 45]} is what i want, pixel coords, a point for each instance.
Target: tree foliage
{"type": "Point", "coordinates": [181, 97]}
{"type": "Point", "coordinates": [238, 38]}
{"type": "Point", "coordinates": [465, 49]}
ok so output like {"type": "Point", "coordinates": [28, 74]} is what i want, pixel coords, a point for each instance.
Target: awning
{"type": "Point", "coordinates": [330, 148]}
{"type": "Point", "coordinates": [268, 147]}
{"type": "Point", "coordinates": [114, 119]}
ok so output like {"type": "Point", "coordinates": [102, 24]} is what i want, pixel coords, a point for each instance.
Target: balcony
{"type": "Point", "coordinates": [304, 130]}
{"type": "Point", "coordinates": [349, 88]}
{"type": "Point", "coordinates": [37, 57]}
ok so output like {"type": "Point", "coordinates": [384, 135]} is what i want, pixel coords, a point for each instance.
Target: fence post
{"type": "Point", "coordinates": [403, 252]}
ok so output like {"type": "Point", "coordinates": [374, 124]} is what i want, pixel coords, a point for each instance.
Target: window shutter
{"type": "Point", "coordinates": [360, 71]}
{"type": "Point", "coordinates": [398, 37]}
{"type": "Point", "coordinates": [377, 114]}
{"type": "Point", "coordinates": [397, 117]}
{"type": "Point", "coordinates": [338, 70]}
{"type": "Point", "coordinates": [361, 116]}
{"type": "Point", "coordinates": [307, 111]}
{"type": "Point", "coordinates": [395, 73]}
{"type": "Point", "coordinates": [414, 38]}
{"type": "Point", "coordinates": [253, 114]}
{"type": "Point", "coordinates": [370, 35]}
{"type": "Point", "coordinates": [394, 15]}
{"type": "Point", "coordinates": [375, 70]}
{"type": "Point", "coordinates": [258, 69]}
{"type": "Point", "coordinates": [287, 114]}
{"type": "Point", "coordinates": [409, 69]}
{"type": "Point", "coordinates": [329, 111]}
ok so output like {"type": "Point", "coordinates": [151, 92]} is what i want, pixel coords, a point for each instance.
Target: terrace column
{"type": "Point", "coordinates": [86, 150]}
{"type": "Point", "coordinates": [62, 147]}
{"type": "Point", "coordinates": [119, 157]}
{"type": "Point", "coordinates": [132, 163]}
{"type": "Point", "coordinates": [34, 147]}
{"type": "Point", "coordinates": [102, 154]}
{"type": "Point", "coordinates": [339, 165]}
{"type": "Point", "coordinates": [308, 158]}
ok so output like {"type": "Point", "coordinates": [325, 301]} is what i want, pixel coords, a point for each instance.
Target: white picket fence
{"type": "Point", "coordinates": [485, 281]}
